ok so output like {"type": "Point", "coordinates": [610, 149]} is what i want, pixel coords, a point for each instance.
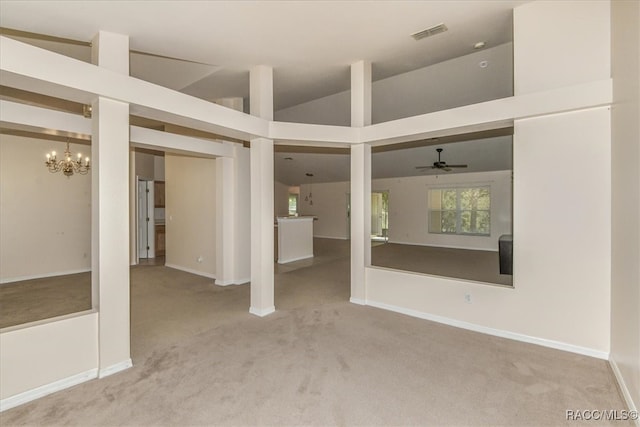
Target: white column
{"type": "Point", "coordinates": [228, 222]}
{"type": "Point", "coordinates": [110, 213]}
{"type": "Point", "coordinates": [360, 182]}
{"type": "Point", "coordinates": [361, 94]}
{"type": "Point", "coordinates": [261, 88]}
{"type": "Point", "coordinates": [242, 218]}
{"type": "Point", "coordinates": [360, 219]}
{"type": "Point", "coordinates": [225, 220]}
{"type": "Point", "coordinates": [262, 220]}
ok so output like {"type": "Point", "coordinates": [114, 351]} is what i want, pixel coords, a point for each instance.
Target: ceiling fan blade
{"type": "Point", "coordinates": [457, 166]}
{"type": "Point", "coordinates": [446, 168]}
{"type": "Point", "coordinates": [423, 167]}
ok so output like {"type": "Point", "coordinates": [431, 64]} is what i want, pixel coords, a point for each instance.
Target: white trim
{"type": "Point", "coordinates": [190, 270]}
{"type": "Point", "coordinates": [330, 237]}
{"type": "Point", "coordinates": [492, 331]}
{"type": "Point", "coordinates": [624, 389]}
{"type": "Point", "coordinates": [224, 282]}
{"type": "Point", "coordinates": [114, 369]}
{"type": "Point", "coordinates": [357, 301]}
{"type": "Point", "coordinates": [243, 281]}
{"type": "Point", "coordinates": [42, 276]}
{"type": "Point", "coordinates": [261, 312]}
{"type": "Point", "coordinates": [38, 392]}
{"type": "Point", "coordinates": [286, 260]}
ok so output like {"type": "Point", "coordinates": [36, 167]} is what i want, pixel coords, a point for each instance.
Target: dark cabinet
{"type": "Point", "coordinates": [160, 241]}
{"type": "Point", "coordinates": [158, 194]}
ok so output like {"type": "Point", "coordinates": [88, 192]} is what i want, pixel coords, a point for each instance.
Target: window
{"type": "Point", "coordinates": [461, 210]}
{"type": "Point", "coordinates": [293, 204]}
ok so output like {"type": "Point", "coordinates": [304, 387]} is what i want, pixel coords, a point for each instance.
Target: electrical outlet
{"type": "Point", "coordinates": [467, 298]}
{"type": "Point", "coordinates": [199, 259]}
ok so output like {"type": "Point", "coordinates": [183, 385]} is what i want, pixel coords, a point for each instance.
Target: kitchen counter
{"type": "Point", "coordinates": [295, 238]}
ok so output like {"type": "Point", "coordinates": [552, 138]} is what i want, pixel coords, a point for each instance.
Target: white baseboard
{"type": "Point", "coordinates": [190, 270]}
{"type": "Point", "coordinates": [331, 237]}
{"type": "Point", "coordinates": [492, 331]}
{"type": "Point", "coordinates": [42, 276]}
{"type": "Point", "coordinates": [287, 260]}
{"type": "Point", "coordinates": [230, 282]}
{"type": "Point", "coordinates": [624, 389]}
{"type": "Point", "coordinates": [114, 369]}
{"type": "Point", "coordinates": [38, 392]}
{"type": "Point", "coordinates": [357, 301]}
{"type": "Point", "coordinates": [261, 312]}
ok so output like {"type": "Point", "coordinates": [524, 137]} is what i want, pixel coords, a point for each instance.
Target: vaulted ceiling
{"type": "Point", "coordinates": [310, 44]}
{"type": "Point", "coordinates": [206, 49]}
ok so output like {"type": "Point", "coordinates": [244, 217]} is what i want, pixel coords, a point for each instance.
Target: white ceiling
{"type": "Point", "coordinates": [310, 44]}
{"type": "Point", "coordinates": [206, 49]}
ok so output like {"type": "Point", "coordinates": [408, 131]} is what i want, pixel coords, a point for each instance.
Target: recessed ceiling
{"type": "Point", "coordinates": [309, 44]}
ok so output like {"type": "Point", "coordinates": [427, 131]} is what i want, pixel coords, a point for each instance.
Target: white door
{"type": "Point", "coordinates": [146, 223]}
{"type": "Point", "coordinates": [143, 215]}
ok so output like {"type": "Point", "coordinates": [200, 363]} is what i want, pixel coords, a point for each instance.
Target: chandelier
{"type": "Point", "coordinates": [67, 165]}
{"type": "Point", "coordinates": [309, 198]}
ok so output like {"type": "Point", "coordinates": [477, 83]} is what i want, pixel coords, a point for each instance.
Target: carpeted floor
{"type": "Point", "coordinates": [201, 359]}
{"type": "Point", "coordinates": [481, 266]}
{"type": "Point", "coordinates": [37, 299]}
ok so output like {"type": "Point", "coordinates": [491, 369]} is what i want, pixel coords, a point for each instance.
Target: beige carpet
{"type": "Point", "coordinates": [481, 266]}
{"type": "Point", "coordinates": [37, 299]}
{"type": "Point", "coordinates": [201, 359]}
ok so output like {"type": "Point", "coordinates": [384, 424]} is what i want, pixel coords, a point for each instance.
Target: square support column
{"type": "Point", "coordinates": [361, 94]}
{"type": "Point", "coordinates": [262, 219]}
{"type": "Point", "coordinates": [360, 182]}
{"type": "Point", "coordinates": [225, 220]}
{"type": "Point", "coordinates": [110, 212]}
{"type": "Point", "coordinates": [262, 227]}
{"type": "Point", "coordinates": [110, 233]}
{"type": "Point", "coordinates": [360, 220]}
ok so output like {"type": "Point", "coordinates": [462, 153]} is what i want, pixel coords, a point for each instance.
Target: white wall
{"type": "Point", "coordinates": [329, 205]}
{"type": "Point", "coordinates": [560, 43]}
{"type": "Point", "coordinates": [408, 212]}
{"type": "Point", "coordinates": [145, 166]}
{"type": "Point", "coordinates": [454, 83]}
{"type": "Point", "coordinates": [158, 168]}
{"type": "Point", "coordinates": [625, 158]}
{"type": "Point", "coordinates": [280, 199]}
{"type": "Point", "coordinates": [561, 246]}
{"type": "Point", "coordinates": [408, 208]}
{"type": "Point", "coordinates": [190, 214]}
{"type": "Point", "coordinates": [419, 91]}
{"type": "Point", "coordinates": [562, 215]}
{"type": "Point", "coordinates": [33, 359]}
{"type": "Point", "coordinates": [45, 218]}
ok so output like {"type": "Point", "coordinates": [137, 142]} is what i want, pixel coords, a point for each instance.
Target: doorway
{"type": "Point", "coordinates": [146, 221]}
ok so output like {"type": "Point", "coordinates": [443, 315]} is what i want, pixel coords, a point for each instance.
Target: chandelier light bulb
{"type": "Point", "coordinates": [68, 166]}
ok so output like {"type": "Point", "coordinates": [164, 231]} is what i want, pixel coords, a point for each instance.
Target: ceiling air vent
{"type": "Point", "coordinates": [432, 31]}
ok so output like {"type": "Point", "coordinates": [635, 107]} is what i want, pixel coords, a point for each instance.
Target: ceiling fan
{"type": "Point", "coordinates": [440, 164]}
